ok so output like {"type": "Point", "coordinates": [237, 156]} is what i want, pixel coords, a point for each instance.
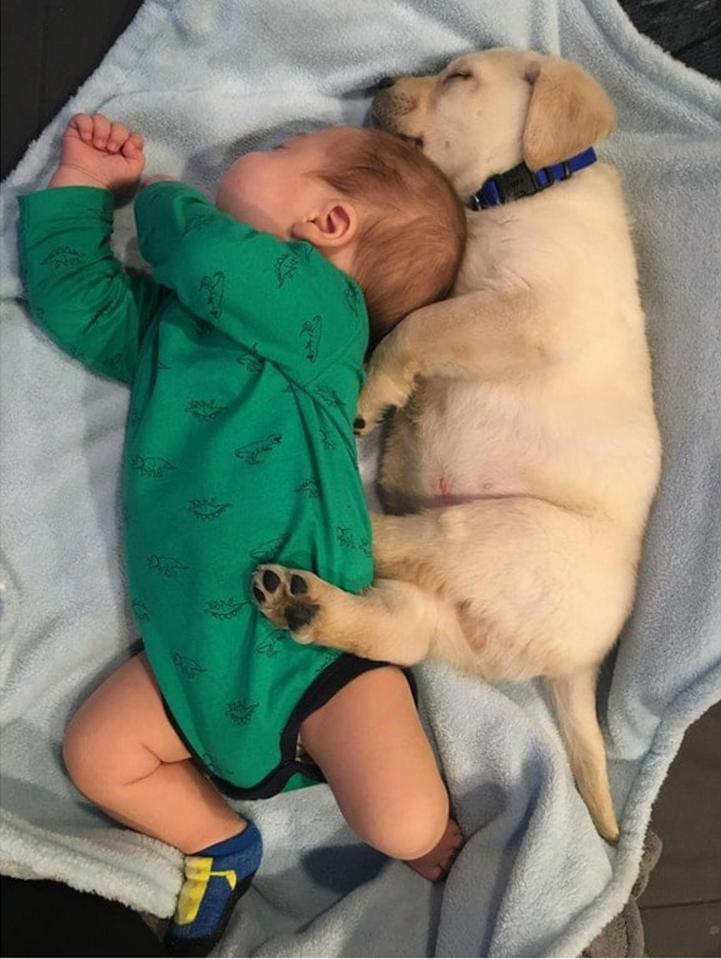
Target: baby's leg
{"type": "Point", "coordinates": [122, 753]}
{"type": "Point", "coordinates": [370, 744]}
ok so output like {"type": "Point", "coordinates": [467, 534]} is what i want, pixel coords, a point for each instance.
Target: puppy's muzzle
{"type": "Point", "coordinates": [389, 105]}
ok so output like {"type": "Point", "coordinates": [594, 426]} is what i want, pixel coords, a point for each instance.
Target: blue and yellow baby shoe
{"type": "Point", "coordinates": [215, 879]}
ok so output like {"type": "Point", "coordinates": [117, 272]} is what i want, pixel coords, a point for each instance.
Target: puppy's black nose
{"type": "Point", "coordinates": [385, 82]}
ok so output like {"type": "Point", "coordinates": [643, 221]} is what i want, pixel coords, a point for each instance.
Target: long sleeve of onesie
{"type": "Point", "coordinates": [77, 290]}
{"type": "Point", "coordinates": [249, 285]}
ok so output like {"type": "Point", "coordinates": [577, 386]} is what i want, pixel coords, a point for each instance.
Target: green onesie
{"type": "Point", "coordinates": [244, 354]}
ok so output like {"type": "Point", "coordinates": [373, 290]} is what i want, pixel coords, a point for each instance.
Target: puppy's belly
{"type": "Point", "coordinates": [446, 447]}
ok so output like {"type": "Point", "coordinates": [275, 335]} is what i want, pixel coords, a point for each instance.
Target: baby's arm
{"type": "Point", "coordinates": [77, 289]}
{"type": "Point", "coordinates": [266, 295]}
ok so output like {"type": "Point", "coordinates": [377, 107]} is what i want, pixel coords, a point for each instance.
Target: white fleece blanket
{"type": "Point", "coordinates": [204, 81]}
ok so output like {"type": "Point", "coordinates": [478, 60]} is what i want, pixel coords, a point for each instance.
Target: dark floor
{"type": "Point", "coordinates": [681, 907]}
{"type": "Point", "coordinates": [43, 63]}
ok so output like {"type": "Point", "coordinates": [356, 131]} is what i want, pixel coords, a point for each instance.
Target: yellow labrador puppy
{"type": "Point", "coordinates": [524, 453]}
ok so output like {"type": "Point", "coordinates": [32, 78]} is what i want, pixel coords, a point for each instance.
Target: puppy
{"type": "Point", "coordinates": [524, 453]}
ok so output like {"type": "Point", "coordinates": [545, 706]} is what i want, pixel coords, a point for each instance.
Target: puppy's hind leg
{"type": "Point", "coordinates": [405, 547]}
{"type": "Point", "coordinates": [391, 621]}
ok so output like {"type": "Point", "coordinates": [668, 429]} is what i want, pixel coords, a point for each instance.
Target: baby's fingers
{"type": "Point", "coordinates": [84, 125]}
{"type": "Point", "coordinates": [101, 131]}
{"type": "Point", "coordinates": [97, 130]}
{"type": "Point", "coordinates": [133, 146]}
{"type": "Point", "coordinates": [93, 129]}
{"type": "Point", "coordinates": [118, 135]}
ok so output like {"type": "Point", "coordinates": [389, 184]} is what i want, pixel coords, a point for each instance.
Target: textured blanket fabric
{"type": "Point", "coordinates": [204, 82]}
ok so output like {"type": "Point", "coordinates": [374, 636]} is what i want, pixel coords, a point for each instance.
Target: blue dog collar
{"type": "Point", "coordinates": [520, 181]}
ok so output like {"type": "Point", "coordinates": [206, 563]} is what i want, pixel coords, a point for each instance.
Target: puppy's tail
{"type": "Point", "coordinates": [574, 698]}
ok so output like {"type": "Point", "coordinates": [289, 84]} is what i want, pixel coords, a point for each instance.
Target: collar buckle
{"type": "Point", "coordinates": [521, 181]}
{"type": "Point", "coordinates": [518, 182]}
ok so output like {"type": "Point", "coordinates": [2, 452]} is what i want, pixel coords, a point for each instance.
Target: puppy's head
{"type": "Point", "coordinates": [486, 112]}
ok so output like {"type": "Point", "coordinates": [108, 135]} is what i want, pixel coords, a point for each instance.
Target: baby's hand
{"type": "Point", "coordinates": [107, 154]}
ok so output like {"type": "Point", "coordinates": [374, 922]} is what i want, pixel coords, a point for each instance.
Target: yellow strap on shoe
{"type": "Point", "coordinates": [197, 877]}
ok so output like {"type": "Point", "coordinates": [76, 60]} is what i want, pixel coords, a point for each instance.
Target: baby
{"type": "Point", "coordinates": [244, 353]}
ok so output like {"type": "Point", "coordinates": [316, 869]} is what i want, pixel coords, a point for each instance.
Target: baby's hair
{"type": "Point", "coordinates": [410, 245]}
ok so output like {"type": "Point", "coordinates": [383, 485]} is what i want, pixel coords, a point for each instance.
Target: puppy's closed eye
{"type": "Point", "coordinates": [414, 141]}
{"type": "Point", "coordinates": [457, 75]}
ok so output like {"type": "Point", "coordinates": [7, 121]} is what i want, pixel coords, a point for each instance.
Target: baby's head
{"type": "Point", "coordinates": [368, 201]}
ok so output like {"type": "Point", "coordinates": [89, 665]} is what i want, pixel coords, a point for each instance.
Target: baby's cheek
{"type": "Point", "coordinates": [248, 184]}
{"type": "Point", "coordinates": [231, 181]}
{"type": "Point", "coordinates": [250, 169]}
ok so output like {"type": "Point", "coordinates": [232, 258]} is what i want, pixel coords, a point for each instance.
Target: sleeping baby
{"type": "Point", "coordinates": [244, 354]}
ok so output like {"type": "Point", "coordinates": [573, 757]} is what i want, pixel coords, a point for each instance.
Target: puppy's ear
{"type": "Point", "coordinates": [568, 112]}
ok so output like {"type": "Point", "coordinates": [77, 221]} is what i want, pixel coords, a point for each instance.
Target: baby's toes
{"type": "Point", "coordinates": [456, 841]}
{"type": "Point", "coordinates": [455, 835]}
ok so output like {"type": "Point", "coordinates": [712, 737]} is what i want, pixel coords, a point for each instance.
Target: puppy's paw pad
{"type": "Point", "coordinates": [284, 596]}
{"type": "Point", "coordinates": [271, 580]}
{"type": "Point", "coordinates": [299, 615]}
{"type": "Point", "coordinates": [298, 585]}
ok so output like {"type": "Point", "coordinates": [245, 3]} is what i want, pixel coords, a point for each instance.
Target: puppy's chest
{"type": "Point", "coordinates": [492, 247]}
{"type": "Point", "coordinates": [478, 270]}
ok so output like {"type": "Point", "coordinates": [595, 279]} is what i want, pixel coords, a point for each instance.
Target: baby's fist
{"type": "Point", "coordinates": [104, 151]}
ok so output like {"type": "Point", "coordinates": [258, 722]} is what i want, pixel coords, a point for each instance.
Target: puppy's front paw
{"type": "Point", "coordinates": [286, 598]}
{"type": "Point", "coordinates": [380, 393]}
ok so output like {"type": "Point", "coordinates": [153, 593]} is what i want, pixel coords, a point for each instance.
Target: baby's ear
{"type": "Point", "coordinates": [333, 225]}
{"type": "Point", "coordinates": [304, 230]}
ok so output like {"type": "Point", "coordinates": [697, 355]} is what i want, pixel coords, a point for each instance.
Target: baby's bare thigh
{"type": "Point", "coordinates": [373, 750]}
{"type": "Point", "coordinates": [127, 710]}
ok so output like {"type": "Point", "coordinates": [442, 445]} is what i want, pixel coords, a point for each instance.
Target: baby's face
{"type": "Point", "coordinates": [274, 190]}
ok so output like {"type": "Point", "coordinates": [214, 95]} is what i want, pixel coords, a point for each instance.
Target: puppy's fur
{"type": "Point", "coordinates": [524, 453]}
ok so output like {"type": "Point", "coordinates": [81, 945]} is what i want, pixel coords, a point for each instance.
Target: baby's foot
{"type": "Point", "coordinates": [436, 863]}
{"type": "Point", "coordinates": [215, 878]}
